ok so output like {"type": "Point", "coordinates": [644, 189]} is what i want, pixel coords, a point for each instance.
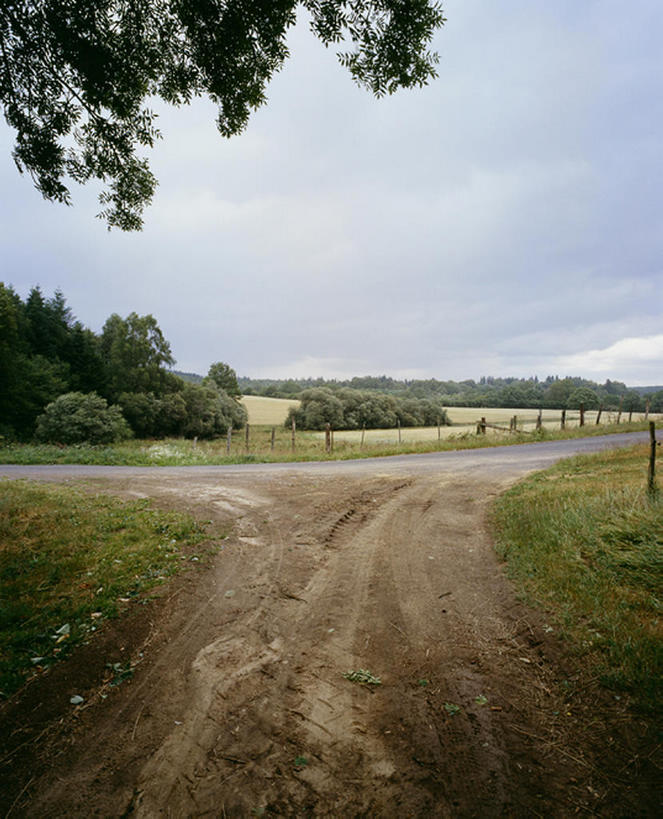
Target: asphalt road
{"type": "Point", "coordinates": [521, 457]}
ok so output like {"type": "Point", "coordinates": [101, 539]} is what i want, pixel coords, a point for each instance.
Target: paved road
{"type": "Point", "coordinates": [521, 458]}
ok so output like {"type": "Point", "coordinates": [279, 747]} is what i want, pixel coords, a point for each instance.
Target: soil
{"type": "Point", "coordinates": [238, 705]}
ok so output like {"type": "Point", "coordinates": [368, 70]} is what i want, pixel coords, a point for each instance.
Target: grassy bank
{"type": "Point", "coordinates": [310, 446]}
{"type": "Point", "coordinates": [68, 560]}
{"type": "Point", "coordinates": [584, 541]}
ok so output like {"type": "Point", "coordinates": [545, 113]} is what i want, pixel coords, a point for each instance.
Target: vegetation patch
{"type": "Point", "coordinates": [70, 559]}
{"type": "Point", "coordinates": [362, 676]}
{"type": "Point", "coordinates": [585, 541]}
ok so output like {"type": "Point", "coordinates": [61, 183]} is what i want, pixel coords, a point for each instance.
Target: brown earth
{"type": "Point", "coordinates": [238, 705]}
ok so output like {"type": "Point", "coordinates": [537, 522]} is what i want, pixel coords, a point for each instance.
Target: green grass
{"type": "Point", "coordinates": [584, 541]}
{"type": "Point", "coordinates": [310, 446]}
{"type": "Point", "coordinates": [67, 559]}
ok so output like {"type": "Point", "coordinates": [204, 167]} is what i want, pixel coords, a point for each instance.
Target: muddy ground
{"type": "Point", "coordinates": [238, 705]}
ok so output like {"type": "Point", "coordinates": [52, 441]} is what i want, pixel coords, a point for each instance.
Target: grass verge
{"type": "Point", "coordinates": [70, 559]}
{"type": "Point", "coordinates": [584, 541]}
{"type": "Point", "coordinates": [309, 447]}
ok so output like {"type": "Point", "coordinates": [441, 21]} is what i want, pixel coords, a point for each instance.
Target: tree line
{"type": "Point", "coordinates": [552, 393]}
{"type": "Point", "coordinates": [61, 382]}
{"type": "Point", "coordinates": [356, 409]}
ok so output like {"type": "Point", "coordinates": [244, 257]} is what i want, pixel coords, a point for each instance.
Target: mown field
{"type": "Point", "coordinates": [273, 412]}
{"type": "Point", "coordinates": [464, 421]}
{"type": "Point", "coordinates": [267, 411]}
{"type": "Point", "coordinates": [584, 541]}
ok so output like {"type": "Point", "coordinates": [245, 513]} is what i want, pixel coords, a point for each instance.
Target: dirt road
{"type": "Point", "coordinates": [239, 706]}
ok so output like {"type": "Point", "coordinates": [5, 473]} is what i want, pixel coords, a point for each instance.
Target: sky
{"type": "Point", "coordinates": [506, 220]}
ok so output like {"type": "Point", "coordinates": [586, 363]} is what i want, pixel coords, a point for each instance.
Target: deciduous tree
{"type": "Point", "coordinates": [75, 75]}
{"type": "Point", "coordinates": [136, 353]}
{"type": "Point", "coordinates": [225, 378]}
{"type": "Point", "coordinates": [585, 396]}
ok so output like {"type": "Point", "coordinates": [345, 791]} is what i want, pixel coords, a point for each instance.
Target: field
{"type": "Point", "coordinates": [464, 421]}
{"type": "Point", "coordinates": [267, 411]}
{"type": "Point", "coordinates": [273, 412]}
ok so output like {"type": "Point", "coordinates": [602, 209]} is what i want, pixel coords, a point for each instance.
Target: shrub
{"type": "Point", "coordinates": [352, 409]}
{"type": "Point", "coordinates": [76, 418]}
{"type": "Point", "coordinates": [152, 416]}
{"type": "Point", "coordinates": [210, 412]}
{"type": "Point", "coordinates": [318, 407]}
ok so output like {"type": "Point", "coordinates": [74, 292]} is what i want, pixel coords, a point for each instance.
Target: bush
{"type": "Point", "coordinates": [76, 418]}
{"type": "Point", "coordinates": [151, 416]}
{"type": "Point", "coordinates": [352, 409]}
{"type": "Point", "coordinates": [210, 412]}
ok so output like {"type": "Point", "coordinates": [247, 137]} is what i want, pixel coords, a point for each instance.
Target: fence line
{"type": "Point", "coordinates": [264, 438]}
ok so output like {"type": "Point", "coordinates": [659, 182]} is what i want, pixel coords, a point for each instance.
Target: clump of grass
{"type": "Point", "coordinates": [362, 676]}
{"type": "Point", "coordinates": [68, 558]}
{"type": "Point", "coordinates": [585, 540]}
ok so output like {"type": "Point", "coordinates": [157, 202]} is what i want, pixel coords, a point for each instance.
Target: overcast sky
{"type": "Point", "coordinates": [506, 220]}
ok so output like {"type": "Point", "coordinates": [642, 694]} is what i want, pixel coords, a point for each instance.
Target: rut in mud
{"type": "Point", "coordinates": [239, 706]}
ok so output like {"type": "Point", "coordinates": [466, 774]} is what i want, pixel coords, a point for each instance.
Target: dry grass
{"type": "Point", "coordinates": [551, 417]}
{"type": "Point", "coordinates": [464, 421]}
{"type": "Point", "coordinates": [267, 411]}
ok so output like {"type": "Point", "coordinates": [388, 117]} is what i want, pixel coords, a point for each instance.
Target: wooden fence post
{"type": "Point", "coordinates": [273, 441]}
{"type": "Point", "coordinates": [598, 417]}
{"type": "Point", "coordinates": [651, 475]}
{"type": "Point", "coordinates": [327, 437]}
{"type": "Point", "coordinates": [229, 439]}
{"type": "Point", "coordinates": [246, 437]}
{"type": "Point", "coordinates": [563, 423]}
{"type": "Point", "coordinates": [630, 415]}
{"type": "Point", "coordinates": [294, 430]}
{"type": "Point", "coordinates": [647, 405]}
{"type": "Point", "coordinates": [363, 432]}
{"type": "Point", "coordinates": [332, 439]}
{"type": "Point", "coordinates": [483, 425]}
{"type": "Point", "coordinates": [582, 414]}
{"type": "Point", "coordinates": [619, 413]}
{"type": "Point", "coordinates": [539, 420]}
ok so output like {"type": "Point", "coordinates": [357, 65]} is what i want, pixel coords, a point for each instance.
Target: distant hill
{"type": "Point", "coordinates": [647, 390]}
{"type": "Point", "coordinates": [194, 378]}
